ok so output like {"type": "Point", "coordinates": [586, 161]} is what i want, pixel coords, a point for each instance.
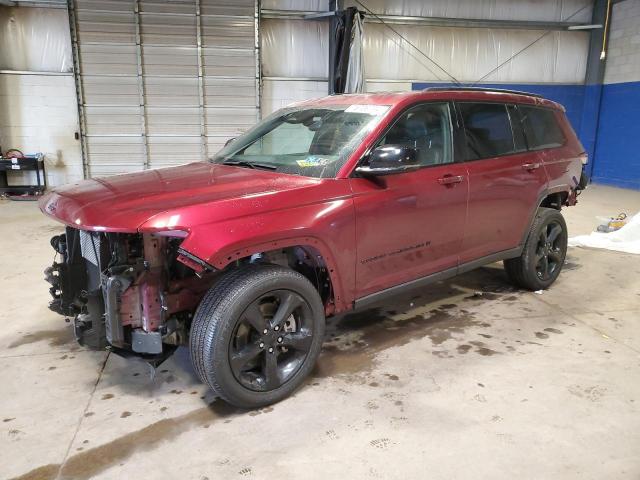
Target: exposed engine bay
{"type": "Point", "coordinates": [125, 291]}
{"type": "Point", "coordinates": [135, 294]}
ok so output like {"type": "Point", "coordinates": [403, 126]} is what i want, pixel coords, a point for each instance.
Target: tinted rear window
{"type": "Point", "coordinates": [541, 127]}
{"type": "Point", "coordinates": [487, 129]}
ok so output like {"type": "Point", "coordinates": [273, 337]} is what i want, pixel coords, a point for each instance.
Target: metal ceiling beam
{"type": "Point", "coordinates": [428, 21]}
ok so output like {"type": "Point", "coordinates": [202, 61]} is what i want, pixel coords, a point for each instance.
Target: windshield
{"type": "Point", "coordinates": [314, 142]}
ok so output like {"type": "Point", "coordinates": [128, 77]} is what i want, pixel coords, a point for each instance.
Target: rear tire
{"type": "Point", "coordinates": [257, 334]}
{"type": "Point", "coordinates": [544, 252]}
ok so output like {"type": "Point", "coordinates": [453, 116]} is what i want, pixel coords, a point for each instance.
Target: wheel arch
{"type": "Point", "coordinates": [302, 253]}
{"type": "Point", "coordinates": [548, 198]}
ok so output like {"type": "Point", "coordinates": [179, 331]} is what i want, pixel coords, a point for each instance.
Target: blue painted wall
{"type": "Point", "coordinates": [617, 155]}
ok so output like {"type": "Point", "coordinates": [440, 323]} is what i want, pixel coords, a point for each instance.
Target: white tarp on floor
{"type": "Point", "coordinates": [627, 239]}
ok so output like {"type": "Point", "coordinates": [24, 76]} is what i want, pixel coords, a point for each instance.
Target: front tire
{"type": "Point", "coordinates": [544, 252]}
{"type": "Point", "coordinates": [257, 334]}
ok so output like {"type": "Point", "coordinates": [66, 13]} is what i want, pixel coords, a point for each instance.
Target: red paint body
{"type": "Point", "coordinates": [231, 212]}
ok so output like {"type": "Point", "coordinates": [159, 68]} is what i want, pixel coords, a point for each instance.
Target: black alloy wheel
{"type": "Point", "coordinates": [543, 253]}
{"type": "Point", "coordinates": [257, 334]}
{"type": "Point", "coordinates": [549, 253]}
{"type": "Point", "coordinates": [271, 340]}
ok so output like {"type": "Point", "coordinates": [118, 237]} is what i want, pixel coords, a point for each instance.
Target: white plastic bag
{"type": "Point", "coordinates": [626, 239]}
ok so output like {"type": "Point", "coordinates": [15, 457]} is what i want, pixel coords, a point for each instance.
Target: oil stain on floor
{"type": "Point", "coordinates": [357, 338]}
{"type": "Point", "coordinates": [56, 338]}
{"type": "Point", "coordinates": [89, 463]}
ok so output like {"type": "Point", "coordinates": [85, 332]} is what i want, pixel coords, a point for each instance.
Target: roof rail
{"type": "Point", "coordinates": [480, 89]}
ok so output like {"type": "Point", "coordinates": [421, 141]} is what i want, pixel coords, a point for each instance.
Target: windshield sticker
{"type": "Point", "coordinates": [368, 109]}
{"type": "Point", "coordinates": [313, 161]}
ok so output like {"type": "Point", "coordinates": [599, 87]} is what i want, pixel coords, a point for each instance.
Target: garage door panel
{"type": "Point", "coordinates": [226, 132]}
{"type": "Point", "coordinates": [173, 100]}
{"type": "Point", "coordinates": [109, 59]}
{"type": "Point", "coordinates": [159, 128]}
{"type": "Point", "coordinates": [168, 29]}
{"type": "Point", "coordinates": [183, 7]}
{"type": "Point", "coordinates": [116, 27]}
{"type": "Point", "coordinates": [144, 104]}
{"type": "Point", "coordinates": [230, 116]}
{"type": "Point", "coordinates": [228, 32]}
{"type": "Point", "coordinates": [106, 165]}
{"type": "Point", "coordinates": [170, 56]}
{"type": "Point", "coordinates": [215, 144]}
{"type": "Point", "coordinates": [227, 7]}
{"type": "Point", "coordinates": [175, 151]}
{"type": "Point", "coordinates": [105, 5]}
{"type": "Point", "coordinates": [172, 91]}
{"type": "Point", "coordinates": [111, 90]}
{"type": "Point", "coordinates": [231, 63]}
{"type": "Point", "coordinates": [174, 86]}
{"type": "Point", "coordinates": [128, 149]}
{"type": "Point", "coordinates": [112, 120]}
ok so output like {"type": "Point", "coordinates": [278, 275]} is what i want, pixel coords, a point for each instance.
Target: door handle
{"type": "Point", "coordinates": [531, 166]}
{"type": "Point", "coordinates": [450, 179]}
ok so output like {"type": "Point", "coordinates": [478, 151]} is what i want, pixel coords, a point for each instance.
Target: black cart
{"type": "Point", "coordinates": [28, 162]}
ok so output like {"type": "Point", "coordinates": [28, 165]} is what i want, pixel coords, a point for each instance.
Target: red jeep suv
{"type": "Point", "coordinates": [322, 207]}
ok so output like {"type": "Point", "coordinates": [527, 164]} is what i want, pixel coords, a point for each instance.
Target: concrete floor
{"type": "Point", "coordinates": [468, 379]}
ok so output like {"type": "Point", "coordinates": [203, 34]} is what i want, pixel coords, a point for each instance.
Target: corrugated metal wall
{"type": "Point", "coordinates": [163, 83]}
{"type": "Point", "coordinates": [468, 51]}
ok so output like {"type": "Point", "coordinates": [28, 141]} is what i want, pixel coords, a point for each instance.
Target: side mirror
{"type": "Point", "coordinates": [229, 141]}
{"type": "Point", "coordinates": [390, 159]}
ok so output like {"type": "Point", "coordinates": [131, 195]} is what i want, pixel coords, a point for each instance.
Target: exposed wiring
{"type": "Point", "coordinates": [528, 46]}
{"type": "Point", "coordinates": [455, 80]}
{"type": "Point", "coordinates": [603, 52]}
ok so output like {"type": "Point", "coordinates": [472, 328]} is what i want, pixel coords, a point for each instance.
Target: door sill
{"type": "Point", "coordinates": [377, 297]}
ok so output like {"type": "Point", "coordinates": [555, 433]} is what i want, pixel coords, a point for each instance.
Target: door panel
{"type": "Point", "coordinates": [411, 224]}
{"type": "Point", "coordinates": [408, 226]}
{"type": "Point", "coordinates": [505, 180]}
{"type": "Point", "coordinates": [502, 193]}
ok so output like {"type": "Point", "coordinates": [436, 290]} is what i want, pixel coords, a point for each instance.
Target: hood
{"type": "Point", "coordinates": [123, 203]}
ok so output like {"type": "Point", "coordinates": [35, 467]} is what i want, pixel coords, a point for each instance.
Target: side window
{"type": "Point", "coordinates": [487, 130]}
{"type": "Point", "coordinates": [517, 128]}
{"type": "Point", "coordinates": [541, 127]}
{"type": "Point", "coordinates": [427, 128]}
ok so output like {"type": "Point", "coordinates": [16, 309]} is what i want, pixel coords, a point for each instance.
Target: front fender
{"type": "Point", "coordinates": [328, 227]}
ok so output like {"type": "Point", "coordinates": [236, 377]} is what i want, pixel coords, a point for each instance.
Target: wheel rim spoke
{"type": "Point", "coordinates": [240, 359]}
{"type": "Point", "coordinates": [554, 233]}
{"type": "Point", "coordinates": [298, 341]}
{"type": "Point", "coordinates": [272, 340]}
{"type": "Point", "coordinates": [543, 236]}
{"type": "Point", "coordinates": [555, 255]}
{"type": "Point", "coordinates": [544, 266]}
{"type": "Point", "coordinates": [289, 301]}
{"type": "Point", "coordinates": [254, 316]}
{"type": "Point", "coordinates": [271, 374]}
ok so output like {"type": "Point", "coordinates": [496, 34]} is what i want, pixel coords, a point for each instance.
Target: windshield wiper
{"type": "Point", "coordinates": [243, 163]}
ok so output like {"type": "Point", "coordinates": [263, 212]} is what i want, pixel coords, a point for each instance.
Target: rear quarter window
{"type": "Point", "coordinates": [541, 127]}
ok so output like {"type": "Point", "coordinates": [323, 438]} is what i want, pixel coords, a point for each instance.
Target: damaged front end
{"type": "Point", "coordinates": [125, 292]}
